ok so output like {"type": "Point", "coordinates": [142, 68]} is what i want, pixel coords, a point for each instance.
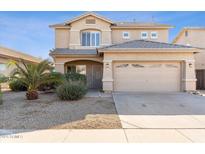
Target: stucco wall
{"type": "Point", "coordinates": [71, 37]}
{"type": "Point", "coordinates": [78, 26]}
{"type": "Point", "coordinates": [188, 78]}
{"type": "Point", "coordinates": [60, 62]}
{"type": "Point", "coordinates": [195, 38]}
{"type": "Point", "coordinates": [136, 34]}
{"type": "Point", "coordinates": [62, 36]}
{"type": "Point", "coordinates": [126, 55]}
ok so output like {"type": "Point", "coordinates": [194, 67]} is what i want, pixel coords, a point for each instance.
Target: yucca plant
{"type": "Point", "coordinates": [34, 75]}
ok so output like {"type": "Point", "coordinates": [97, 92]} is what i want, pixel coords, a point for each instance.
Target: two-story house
{"type": "Point", "coordinates": [123, 56]}
{"type": "Point", "coordinates": [195, 36]}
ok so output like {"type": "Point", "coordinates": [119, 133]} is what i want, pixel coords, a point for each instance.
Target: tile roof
{"type": "Point", "coordinates": [135, 44]}
{"type": "Point", "coordinates": [139, 44]}
{"type": "Point", "coordinates": [123, 24]}
{"type": "Point", "coordinates": [113, 24]}
{"type": "Point", "coordinates": [139, 24]}
{"type": "Point", "coordinates": [67, 51]}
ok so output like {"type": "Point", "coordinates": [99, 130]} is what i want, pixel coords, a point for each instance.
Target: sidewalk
{"type": "Point", "coordinates": [107, 135]}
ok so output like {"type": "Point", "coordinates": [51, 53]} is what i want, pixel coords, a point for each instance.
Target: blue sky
{"type": "Point", "coordinates": [29, 31]}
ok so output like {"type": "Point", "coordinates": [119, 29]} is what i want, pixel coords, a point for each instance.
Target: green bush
{"type": "Point", "coordinates": [17, 85]}
{"type": "Point", "coordinates": [71, 91]}
{"type": "Point", "coordinates": [75, 77]}
{"type": "Point", "coordinates": [54, 84]}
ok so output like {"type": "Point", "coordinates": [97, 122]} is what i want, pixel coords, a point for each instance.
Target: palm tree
{"type": "Point", "coordinates": [34, 75]}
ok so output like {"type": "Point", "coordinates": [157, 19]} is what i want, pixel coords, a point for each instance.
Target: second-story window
{"type": "Point", "coordinates": [144, 35]}
{"type": "Point", "coordinates": [90, 39]}
{"type": "Point", "coordinates": [126, 35]}
{"type": "Point", "coordinates": [154, 35]}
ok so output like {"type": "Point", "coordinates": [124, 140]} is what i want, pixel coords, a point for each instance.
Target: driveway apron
{"type": "Point", "coordinates": [160, 110]}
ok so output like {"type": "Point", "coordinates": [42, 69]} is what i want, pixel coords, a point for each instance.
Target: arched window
{"type": "Point", "coordinates": [90, 38]}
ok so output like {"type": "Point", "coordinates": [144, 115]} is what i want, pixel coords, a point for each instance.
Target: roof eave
{"type": "Point", "coordinates": [11, 53]}
{"type": "Point", "coordinates": [57, 26]}
{"type": "Point", "coordinates": [158, 27]}
{"type": "Point", "coordinates": [148, 50]}
{"type": "Point", "coordinates": [73, 55]}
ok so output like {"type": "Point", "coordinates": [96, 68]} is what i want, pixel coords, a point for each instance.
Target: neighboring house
{"type": "Point", "coordinates": [123, 56]}
{"type": "Point", "coordinates": [9, 54]}
{"type": "Point", "coordinates": [195, 36]}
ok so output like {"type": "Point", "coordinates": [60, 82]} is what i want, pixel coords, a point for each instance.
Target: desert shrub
{"type": "Point", "coordinates": [71, 90]}
{"type": "Point", "coordinates": [17, 85]}
{"type": "Point", "coordinates": [54, 84]}
{"type": "Point", "coordinates": [75, 77]}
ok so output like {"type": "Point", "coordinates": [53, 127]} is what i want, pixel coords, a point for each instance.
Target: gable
{"type": "Point", "coordinates": [90, 22]}
{"type": "Point", "coordinates": [88, 14]}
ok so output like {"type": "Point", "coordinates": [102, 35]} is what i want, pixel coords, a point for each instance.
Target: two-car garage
{"type": "Point", "coordinates": [147, 66]}
{"type": "Point", "coordinates": [147, 76]}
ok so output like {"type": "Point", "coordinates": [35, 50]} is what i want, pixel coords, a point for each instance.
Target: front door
{"type": "Point", "coordinates": [94, 76]}
{"type": "Point", "coordinates": [97, 76]}
{"type": "Point", "coordinates": [92, 70]}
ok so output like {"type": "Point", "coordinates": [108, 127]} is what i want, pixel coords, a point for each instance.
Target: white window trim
{"type": "Point", "coordinates": [91, 39]}
{"type": "Point", "coordinates": [142, 37]}
{"type": "Point", "coordinates": [154, 37]}
{"type": "Point", "coordinates": [125, 37]}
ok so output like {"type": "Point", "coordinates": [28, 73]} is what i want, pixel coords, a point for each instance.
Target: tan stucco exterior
{"type": "Point", "coordinates": [195, 38]}
{"type": "Point", "coordinates": [135, 34]}
{"type": "Point", "coordinates": [188, 78]}
{"type": "Point", "coordinates": [61, 61]}
{"type": "Point", "coordinates": [69, 36]}
{"type": "Point", "coordinates": [62, 36]}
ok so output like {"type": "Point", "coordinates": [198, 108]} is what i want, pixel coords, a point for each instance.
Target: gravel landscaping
{"type": "Point", "coordinates": [49, 112]}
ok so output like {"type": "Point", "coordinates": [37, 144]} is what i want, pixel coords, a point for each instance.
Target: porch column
{"type": "Point", "coordinates": [59, 67]}
{"type": "Point", "coordinates": [189, 76]}
{"type": "Point", "coordinates": [107, 76]}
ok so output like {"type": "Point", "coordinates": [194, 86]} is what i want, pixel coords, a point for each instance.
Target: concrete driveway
{"type": "Point", "coordinates": [160, 110]}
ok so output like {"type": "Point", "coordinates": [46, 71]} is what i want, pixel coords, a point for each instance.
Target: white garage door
{"type": "Point", "coordinates": [147, 76]}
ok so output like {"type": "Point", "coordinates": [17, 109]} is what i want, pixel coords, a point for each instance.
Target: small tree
{"type": "Point", "coordinates": [34, 75]}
